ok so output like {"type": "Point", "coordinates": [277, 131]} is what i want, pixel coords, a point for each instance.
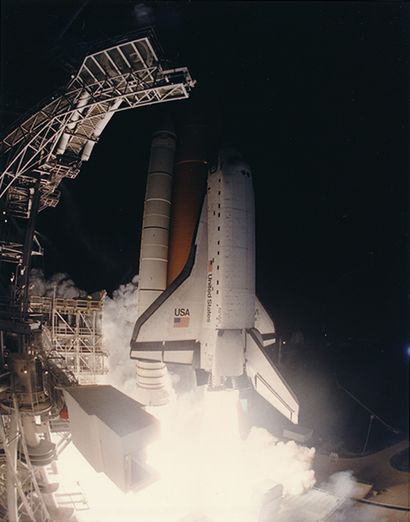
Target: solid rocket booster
{"type": "Point", "coordinates": [151, 376]}
{"type": "Point", "coordinates": [156, 220]}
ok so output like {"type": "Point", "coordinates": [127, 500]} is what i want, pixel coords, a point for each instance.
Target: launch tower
{"type": "Point", "coordinates": [43, 148]}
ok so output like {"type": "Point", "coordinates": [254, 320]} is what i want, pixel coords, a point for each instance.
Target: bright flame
{"type": "Point", "coordinates": [206, 471]}
{"type": "Point", "coordinates": [197, 456]}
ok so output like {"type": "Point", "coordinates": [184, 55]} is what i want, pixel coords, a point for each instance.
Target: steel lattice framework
{"type": "Point", "coordinates": [73, 331]}
{"type": "Point", "coordinates": [41, 150]}
{"type": "Point", "coordinates": [54, 141]}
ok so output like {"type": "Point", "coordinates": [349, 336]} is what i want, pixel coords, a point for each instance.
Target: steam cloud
{"type": "Point", "coordinates": [119, 316]}
{"type": "Point", "coordinates": [252, 467]}
{"type": "Point", "coordinates": [264, 461]}
{"type": "Point", "coordinates": [344, 485]}
{"type": "Point", "coordinates": [61, 284]}
{"type": "Point", "coordinates": [260, 461]}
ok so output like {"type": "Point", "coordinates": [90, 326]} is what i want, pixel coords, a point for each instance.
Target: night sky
{"type": "Point", "coordinates": [314, 95]}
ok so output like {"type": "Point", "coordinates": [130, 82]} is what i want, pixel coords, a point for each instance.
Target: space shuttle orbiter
{"type": "Point", "coordinates": [209, 316]}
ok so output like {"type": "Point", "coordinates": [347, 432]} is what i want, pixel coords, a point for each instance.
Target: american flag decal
{"type": "Point", "coordinates": [210, 263]}
{"type": "Point", "coordinates": [181, 322]}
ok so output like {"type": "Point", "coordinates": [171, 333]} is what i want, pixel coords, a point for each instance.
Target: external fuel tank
{"type": "Point", "coordinates": [191, 169]}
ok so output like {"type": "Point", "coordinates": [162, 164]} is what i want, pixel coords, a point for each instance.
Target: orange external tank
{"type": "Point", "coordinates": [190, 175]}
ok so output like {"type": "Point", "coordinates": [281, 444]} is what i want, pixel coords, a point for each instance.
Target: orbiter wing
{"type": "Point", "coordinates": [266, 378]}
{"type": "Point", "coordinates": [170, 328]}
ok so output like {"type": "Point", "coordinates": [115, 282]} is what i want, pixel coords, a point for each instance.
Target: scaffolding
{"type": "Point", "coordinates": [72, 332]}
{"type": "Point", "coordinates": [21, 480]}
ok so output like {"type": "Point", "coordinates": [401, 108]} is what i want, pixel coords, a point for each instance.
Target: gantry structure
{"type": "Point", "coordinates": [46, 345]}
{"type": "Point", "coordinates": [61, 134]}
{"type": "Point", "coordinates": [72, 334]}
{"type": "Point", "coordinates": [54, 141]}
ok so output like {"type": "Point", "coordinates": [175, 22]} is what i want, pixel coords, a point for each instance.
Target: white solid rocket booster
{"type": "Point", "coordinates": [151, 376]}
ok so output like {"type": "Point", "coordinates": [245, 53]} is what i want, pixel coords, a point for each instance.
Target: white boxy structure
{"type": "Point", "coordinates": [111, 430]}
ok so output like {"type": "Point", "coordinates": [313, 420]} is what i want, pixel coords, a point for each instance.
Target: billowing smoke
{"type": "Point", "coordinates": [59, 285]}
{"type": "Point", "coordinates": [207, 472]}
{"type": "Point", "coordinates": [227, 478]}
{"type": "Point", "coordinates": [119, 316]}
{"type": "Point", "coordinates": [344, 485]}
{"type": "Point", "coordinates": [200, 449]}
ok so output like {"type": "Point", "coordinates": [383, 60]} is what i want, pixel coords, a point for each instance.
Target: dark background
{"type": "Point", "coordinates": [315, 96]}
